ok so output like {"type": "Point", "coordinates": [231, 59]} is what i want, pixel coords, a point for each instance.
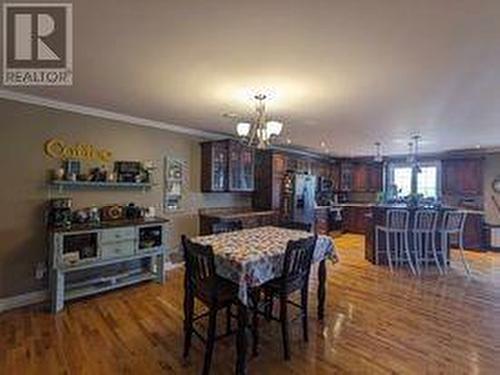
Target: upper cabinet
{"type": "Point", "coordinates": [226, 166]}
{"type": "Point", "coordinates": [362, 177]}
{"type": "Point", "coordinates": [241, 167]}
{"type": "Point", "coordinates": [462, 176]}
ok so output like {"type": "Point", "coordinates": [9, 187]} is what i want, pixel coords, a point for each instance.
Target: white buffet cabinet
{"type": "Point", "coordinates": [86, 260]}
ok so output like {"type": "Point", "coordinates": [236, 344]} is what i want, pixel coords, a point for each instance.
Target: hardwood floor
{"type": "Point", "coordinates": [375, 323]}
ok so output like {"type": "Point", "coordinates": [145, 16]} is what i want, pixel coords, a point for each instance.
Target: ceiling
{"type": "Point", "coordinates": [346, 73]}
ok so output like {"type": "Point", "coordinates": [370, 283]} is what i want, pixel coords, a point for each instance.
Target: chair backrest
{"type": "Point", "coordinates": [397, 219]}
{"type": "Point", "coordinates": [454, 221]}
{"type": "Point", "coordinates": [296, 225]}
{"type": "Point", "coordinates": [200, 264]}
{"type": "Point", "coordinates": [226, 226]}
{"type": "Point", "coordinates": [425, 220]}
{"type": "Point", "coordinates": [298, 259]}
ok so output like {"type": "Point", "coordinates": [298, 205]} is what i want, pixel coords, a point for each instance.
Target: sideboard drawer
{"type": "Point", "coordinates": [118, 249]}
{"type": "Point", "coordinates": [117, 234]}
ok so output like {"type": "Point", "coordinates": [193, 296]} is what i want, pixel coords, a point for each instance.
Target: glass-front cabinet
{"type": "Point", "coordinates": [227, 166]}
{"type": "Point", "coordinates": [241, 167]}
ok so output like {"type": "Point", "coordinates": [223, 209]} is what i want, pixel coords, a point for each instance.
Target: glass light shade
{"type": "Point", "coordinates": [243, 128]}
{"type": "Point", "coordinates": [274, 127]}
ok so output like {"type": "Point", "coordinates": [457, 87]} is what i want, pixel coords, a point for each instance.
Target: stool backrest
{"type": "Point", "coordinates": [397, 219]}
{"type": "Point", "coordinates": [425, 220]}
{"type": "Point", "coordinates": [454, 221]}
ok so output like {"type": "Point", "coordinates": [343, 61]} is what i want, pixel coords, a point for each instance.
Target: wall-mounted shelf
{"type": "Point", "coordinates": [99, 185]}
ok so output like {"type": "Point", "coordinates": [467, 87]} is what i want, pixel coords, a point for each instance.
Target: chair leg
{"type": "Point", "coordinates": [228, 319]}
{"type": "Point", "coordinates": [255, 324]}
{"type": "Point", "coordinates": [212, 321]}
{"type": "Point", "coordinates": [444, 251]}
{"type": "Point", "coordinates": [462, 256]}
{"type": "Point", "coordinates": [303, 302]}
{"type": "Point", "coordinates": [188, 321]}
{"type": "Point", "coordinates": [284, 326]}
{"type": "Point", "coordinates": [406, 246]}
{"type": "Point", "coordinates": [434, 252]}
{"type": "Point", "coordinates": [268, 310]}
{"type": "Point", "coordinates": [388, 250]}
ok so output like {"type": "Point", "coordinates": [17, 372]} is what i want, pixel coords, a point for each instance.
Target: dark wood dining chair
{"type": "Point", "coordinates": [295, 225]}
{"type": "Point", "coordinates": [294, 277]}
{"type": "Point", "coordinates": [216, 293]}
{"type": "Point", "coordinates": [226, 226]}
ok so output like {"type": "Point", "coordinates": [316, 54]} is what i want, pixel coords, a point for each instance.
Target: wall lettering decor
{"type": "Point", "coordinates": [58, 149]}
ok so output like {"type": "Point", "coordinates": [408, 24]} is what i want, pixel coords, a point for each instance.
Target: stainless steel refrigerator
{"type": "Point", "coordinates": [304, 198]}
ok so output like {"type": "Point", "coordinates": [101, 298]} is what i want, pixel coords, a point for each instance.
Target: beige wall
{"type": "Point", "coordinates": [491, 171]}
{"type": "Point", "coordinates": [24, 168]}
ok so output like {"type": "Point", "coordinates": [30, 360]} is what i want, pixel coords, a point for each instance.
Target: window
{"type": "Point", "coordinates": [401, 177]}
{"type": "Point", "coordinates": [427, 182]}
{"type": "Point", "coordinates": [402, 180]}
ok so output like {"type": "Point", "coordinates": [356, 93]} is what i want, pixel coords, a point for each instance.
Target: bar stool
{"type": "Point", "coordinates": [424, 238]}
{"type": "Point", "coordinates": [396, 232]}
{"type": "Point", "coordinates": [453, 225]}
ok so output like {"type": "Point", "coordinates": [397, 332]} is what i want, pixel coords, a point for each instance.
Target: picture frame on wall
{"type": "Point", "coordinates": [175, 183]}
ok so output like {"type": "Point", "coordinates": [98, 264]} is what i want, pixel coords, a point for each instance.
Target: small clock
{"type": "Point", "coordinates": [496, 185]}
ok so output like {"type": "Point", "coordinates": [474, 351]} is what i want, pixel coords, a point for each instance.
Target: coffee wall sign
{"type": "Point", "coordinates": [58, 149]}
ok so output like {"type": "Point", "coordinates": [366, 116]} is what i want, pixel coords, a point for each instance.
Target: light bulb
{"type": "Point", "coordinates": [273, 128]}
{"type": "Point", "coordinates": [243, 128]}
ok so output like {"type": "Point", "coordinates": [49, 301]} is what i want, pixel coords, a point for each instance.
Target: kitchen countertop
{"type": "Point", "coordinates": [395, 206]}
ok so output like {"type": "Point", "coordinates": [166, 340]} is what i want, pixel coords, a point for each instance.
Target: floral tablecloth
{"type": "Point", "coordinates": [251, 257]}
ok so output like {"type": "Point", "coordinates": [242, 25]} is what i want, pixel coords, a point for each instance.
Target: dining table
{"type": "Point", "coordinates": [251, 257]}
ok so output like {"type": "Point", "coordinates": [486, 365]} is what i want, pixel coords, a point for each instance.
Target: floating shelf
{"type": "Point", "coordinates": [94, 184]}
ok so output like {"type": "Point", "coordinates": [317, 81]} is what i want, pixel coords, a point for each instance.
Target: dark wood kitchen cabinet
{"type": "Point", "coordinates": [355, 218]}
{"type": "Point", "coordinates": [462, 176]}
{"type": "Point", "coordinates": [226, 166]}
{"type": "Point", "coordinates": [367, 177]}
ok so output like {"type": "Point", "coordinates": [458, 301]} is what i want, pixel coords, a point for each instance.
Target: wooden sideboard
{"type": "Point", "coordinates": [248, 218]}
{"type": "Point", "coordinates": [86, 260]}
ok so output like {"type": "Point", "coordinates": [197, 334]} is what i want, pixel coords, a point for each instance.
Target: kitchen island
{"type": "Point", "coordinates": [377, 217]}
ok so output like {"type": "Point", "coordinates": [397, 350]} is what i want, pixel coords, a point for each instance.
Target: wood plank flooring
{"type": "Point", "coordinates": [376, 323]}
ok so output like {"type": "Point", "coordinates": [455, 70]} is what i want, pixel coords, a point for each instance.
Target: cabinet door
{"type": "Point", "coordinates": [375, 180]}
{"type": "Point", "coordinates": [462, 176]}
{"type": "Point", "coordinates": [346, 177]}
{"type": "Point", "coordinates": [241, 167]}
{"type": "Point", "coordinates": [219, 166]}
{"type": "Point", "coordinates": [360, 178]}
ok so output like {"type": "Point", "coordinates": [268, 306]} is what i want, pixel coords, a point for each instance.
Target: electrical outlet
{"type": "Point", "coordinates": [40, 270]}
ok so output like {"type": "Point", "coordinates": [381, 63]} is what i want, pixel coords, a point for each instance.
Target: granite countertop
{"type": "Point", "coordinates": [109, 225]}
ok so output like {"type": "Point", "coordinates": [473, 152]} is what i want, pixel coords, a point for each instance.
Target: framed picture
{"type": "Point", "coordinates": [175, 183]}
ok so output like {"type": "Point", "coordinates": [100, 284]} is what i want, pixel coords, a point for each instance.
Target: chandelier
{"type": "Point", "coordinates": [261, 132]}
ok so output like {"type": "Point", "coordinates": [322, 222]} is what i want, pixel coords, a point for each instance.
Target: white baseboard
{"type": "Point", "coordinates": [22, 300]}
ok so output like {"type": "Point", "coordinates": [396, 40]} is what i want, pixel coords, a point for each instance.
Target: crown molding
{"type": "Point", "coordinates": [105, 114]}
